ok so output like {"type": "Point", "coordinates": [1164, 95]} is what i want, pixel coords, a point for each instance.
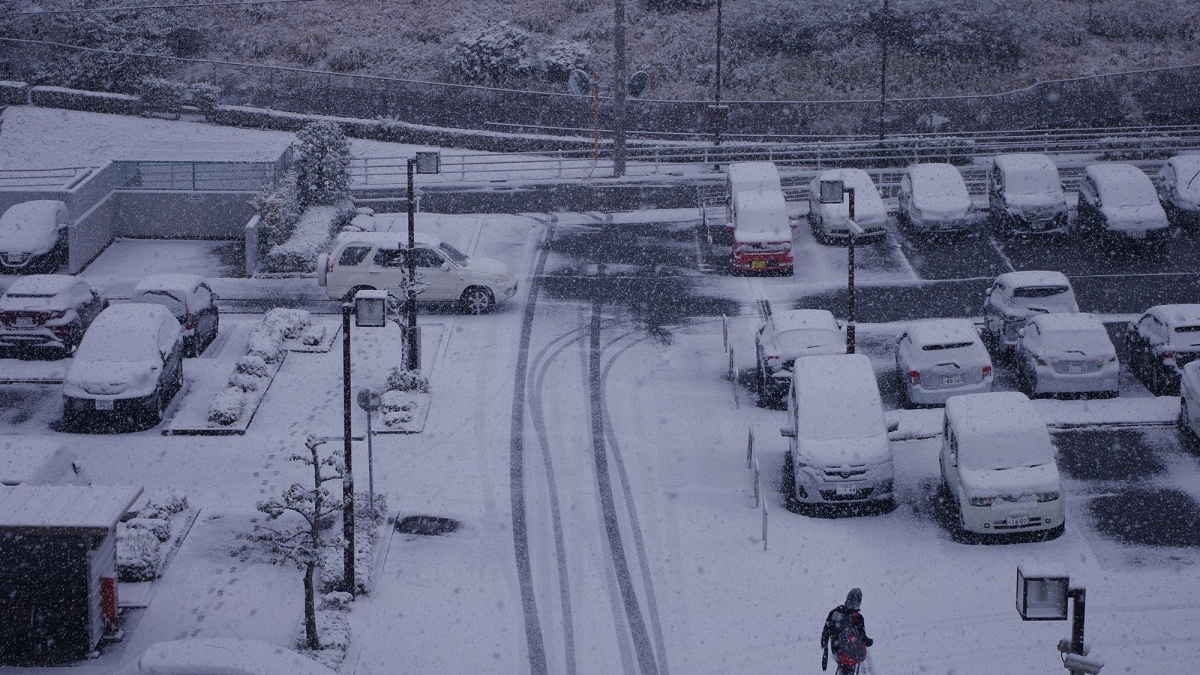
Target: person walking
{"type": "Point", "coordinates": [845, 633]}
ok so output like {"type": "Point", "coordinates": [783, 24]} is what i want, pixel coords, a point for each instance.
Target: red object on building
{"type": "Point", "coordinates": [108, 599]}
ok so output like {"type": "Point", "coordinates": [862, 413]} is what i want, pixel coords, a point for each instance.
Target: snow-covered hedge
{"type": "Point", "coordinates": [142, 539]}
{"type": "Point", "coordinates": [264, 353]}
{"type": "Point", "coordinates": [322, 164]}
{"type": "Point", "coordinates": [161, 95]}
{"type": "Point", "coordinates": [203, 95]}
{"type": "Point", "coordinates": [407, 380]}
{"type": "Point", "coordinates": [312, 235]}
{"type": "Point", "coordinates": [14, 93]}
{"type": "Point", "coordinates": [88, 101]}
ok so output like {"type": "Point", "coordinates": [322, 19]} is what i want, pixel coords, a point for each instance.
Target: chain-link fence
{"type": "Point", "coordinates": [1158, 96]}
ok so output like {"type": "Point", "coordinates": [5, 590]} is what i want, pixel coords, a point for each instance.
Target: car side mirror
{"type": "Point", "coordinates": [215, 297]}
{"type": "Point", "coordinates": [893, 426]}
{"type": "Point", "coordinates": [1021, 332]}
{"type": "Point", "coordinates": [787, 432]}
{"type": "Point", "coordinates": [445, 267]}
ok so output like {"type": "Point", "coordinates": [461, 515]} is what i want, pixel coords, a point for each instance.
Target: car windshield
{"type": "Point", "coordinates": [458, 257]}
{"type": "Point", "coordinates": [1089, 341]}
{"type": "Point", "coordinates": [1033, 182]}
{"type": "Point", "coordinates": [944, 346]}
{"type": "Point", "coordinates": [807, 338]}
{"type": "Point", "coordinates": [1128, 193]}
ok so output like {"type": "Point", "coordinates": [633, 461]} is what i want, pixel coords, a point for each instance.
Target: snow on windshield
{"type": "Point", "coordinates": [454, 254]}
{"type": "Point", "coordinates": [802, 340]}
{"type": "Point", "coordinates": [1031, 181]}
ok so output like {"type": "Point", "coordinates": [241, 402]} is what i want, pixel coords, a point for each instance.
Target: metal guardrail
{"type": "Point", "coordinates": [195, 176]}
{"type": "Point", "coordinates": [63, 178]}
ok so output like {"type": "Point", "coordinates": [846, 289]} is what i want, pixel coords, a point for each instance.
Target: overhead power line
{"type": "Point", "coordinates": [127, 8]}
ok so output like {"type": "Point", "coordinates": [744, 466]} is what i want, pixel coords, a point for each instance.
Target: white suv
{"type": "Point", "coordinates": [379, 261]}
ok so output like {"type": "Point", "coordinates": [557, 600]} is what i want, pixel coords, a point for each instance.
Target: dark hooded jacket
{"type": "Point", "coordinates": [838, 616]}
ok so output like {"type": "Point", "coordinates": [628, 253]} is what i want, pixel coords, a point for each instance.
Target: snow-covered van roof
{"type": "Point", "coordinates": [1027, 161]}
{"type": "Point", "coordinates": [1033, 278]}
{"type": "Point", "coordinates": [761, 216]}
{"type": "Point", "coordinates": [389, 238]}
{"type": "Point", "coordinates": [1177, 315]}
{"type": "Point", "coordinates": [182, 283]}
{"type": "Point", "coordinates": [798, 319]}
{"type": "Point", "coordinates": [65, 509]}
{"type": "Point", "coordinates": [942, 331]}
{"type": "Point", "coordinates": [41, 285]}
{"type": "Point", "coordinates": [752, 176]}
{"type": "Point", "coordinates": [1029, 173]}
{"type": "Point", "coordinates": [938, 185]}
{"type": "Point", "coordinates": [998, 430]}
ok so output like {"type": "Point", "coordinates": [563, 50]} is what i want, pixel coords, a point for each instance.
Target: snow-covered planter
{"type": "Point", "coordinates": [227, 406]}
{"type": "Point", "coordinates": [145, 538]}
{"type": "Point", "coordinates": [366, 535]}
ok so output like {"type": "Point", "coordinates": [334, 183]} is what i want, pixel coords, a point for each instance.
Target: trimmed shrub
{"type": "Point", "coordinates": [227, 406]}
{"type": "Point", "coordinates": [160, 94]}
{"type": "Point", "coordinates": [407, 380]}
{"type": "Point", "coordinates": [278, 208]}
{"type": "Point", "coordinates": [252, 365]}
{"type": "Point", "coordinates": [492, 53]}
{"type": "Point", "coordinates": [14, 93]}
{"type": "Point", "coordinates": [204, 95]}
{"type": "Point", "coordinates": [88, 101]}
{"type": "Point", "coordinates": [322, 164]}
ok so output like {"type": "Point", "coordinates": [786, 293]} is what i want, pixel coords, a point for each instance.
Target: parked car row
{"type": "Point", "coordinates": [127, 357]}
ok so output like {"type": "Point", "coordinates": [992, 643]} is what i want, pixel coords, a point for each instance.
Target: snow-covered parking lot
{"type": "Point", "coordinates": [588, 438]}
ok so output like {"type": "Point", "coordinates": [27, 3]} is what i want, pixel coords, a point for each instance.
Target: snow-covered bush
{"type": "Point", "coordinates": [161, 94]}
{"type": "Point", "coordinates": [407, 380]}
{"type": "Point", "coordinates": [286, 322]}
{"type": "Point", "coordinates": [679, 4]}
{"type": "Point", "coordinates": [560, 57]}
{"type": "Point", "coordinates": [396, 407]}
{"type": "Point", "coordinates": [252, 365]}
{"type": "Point", "coordinates": [227, 406]}
{"type": "Point", "coordinates": [265, 344]}
{"type": "Point", "coordinates": [322, 164]}
{"type": "Point", "coordinates": [159, 527]}
{"type": "Point", "coordinates": [204, 95]}
{"type": "Point", "coordinates": [246, 383]}
{"type": "Point", "coordinates": [138, 557]}
{"type": "Point", "coordinates": [279, 209]}
{"type": "Point", "coordinates": [492, 53]}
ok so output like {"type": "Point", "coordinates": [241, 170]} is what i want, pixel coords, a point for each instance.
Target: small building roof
{"type": "Point", "coordinates": [65, 509]}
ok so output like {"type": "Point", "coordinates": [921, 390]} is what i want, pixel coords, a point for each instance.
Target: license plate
{"type": "Point", "coordinates": [24, 322]}
{"type": "Point", "coordinates": [1018, 521]}
{"type": "Point", "coordinates": [104, 404]}
{"type": "Point", "coordinates": [846, 491]}
{"type": "Point", "coordinates": [952, 379]}
{"type": "Point", "coordinates": [1075, 368]}
{"type": "Point", "coordinates": [758, 264]}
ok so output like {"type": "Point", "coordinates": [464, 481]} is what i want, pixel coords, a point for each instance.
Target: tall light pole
{"type": "Point", "coordinates": [424, 162]}
{"type": "Point", "coordinates": [717, 97]}
{"type": "Point", "coordinates": [884, 30]}
{"type": "Point", "coordinates": [619, 88]}
{"type": "Point", "coordinates": [348, 453]}
{"type": "Point", "coordinates": [834, 192]}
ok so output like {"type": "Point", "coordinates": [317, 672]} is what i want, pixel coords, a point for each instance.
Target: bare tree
{"type": "Point", "coordinates": [301, 543]}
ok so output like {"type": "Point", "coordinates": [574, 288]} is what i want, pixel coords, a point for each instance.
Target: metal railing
{"type": "Point", "coordinates": [63, 178]}
{"type": "Point", "coordinates": [195, 176]}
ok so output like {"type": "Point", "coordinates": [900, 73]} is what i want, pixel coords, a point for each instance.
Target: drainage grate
{"type": "Point", "coordinates": [427, 525]}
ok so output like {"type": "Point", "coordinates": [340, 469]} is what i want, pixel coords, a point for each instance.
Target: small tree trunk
{"type": "Point", "coordinates": [310, 608]}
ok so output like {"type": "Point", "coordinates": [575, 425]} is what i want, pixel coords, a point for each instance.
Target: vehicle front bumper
{"type": "Point", "coordinates": [105, 405]}
{"type": "Point", "coordinates": [1006, 517]}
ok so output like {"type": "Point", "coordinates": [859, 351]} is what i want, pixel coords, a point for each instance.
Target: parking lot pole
{"type": "Point", "coordinates": [348, 470]}
{"type": "Point", "coordinates": [850, 231]}
{"type": "Point", "coordinates": [410, 298]}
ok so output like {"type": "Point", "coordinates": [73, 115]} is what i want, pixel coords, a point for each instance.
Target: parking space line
{"type": "Point", "coordinates": [1000, 252]}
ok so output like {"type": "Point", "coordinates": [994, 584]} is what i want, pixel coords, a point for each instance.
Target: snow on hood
{"type": "Point", "coordinates": [31, 227]}
{"type": "Point", "coordinates": [488, 266]}
{"type": "Point", "coordinates": [845, 451]}
{"type": "Point", "coordinates": [1011, 481]}
{"type": "Point", "coordinates": [38, 292]}
{"type": "Point", "coordinates": [111, 377]}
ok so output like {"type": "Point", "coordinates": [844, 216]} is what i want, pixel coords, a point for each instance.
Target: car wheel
{"type": "Point", "coordinates": [789, 482]}
{"type": "Point", "coordinates": [477, 300]}
{"type": "Point", "coordinates": [153, 413]}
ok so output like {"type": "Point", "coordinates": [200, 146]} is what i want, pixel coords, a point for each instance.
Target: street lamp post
{"type": "Point", "coordinates": [370, 310]}
{"type": "Point", "coordinates": [833, 192]}
{"type": "Point", "coordinates": [1042, 596]}
{"type": "Point", "coordinates": [424, 162]}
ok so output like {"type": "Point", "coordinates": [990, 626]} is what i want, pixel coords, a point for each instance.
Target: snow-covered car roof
{"type": "Point", "coordinates": [855, 178]}
{"type": "Point", "coordinates": [1003, 429]}
{"type": "Point", "coordinates": [942, 331]}
{"type": "Point", "coordinates": [761, 216]}
{"type": "Point", "coordinates": [41, 285]}
{"type": "Point", "coordinates": [1030, 173]}
{"type": "Point", "coordinates": [389, 238]}
{"type": "Point", "coordinates": [225, 656]}
{"type": "Point", "coordinates": [1062, 321]}
{"type": "Point", "coordinates": [1033, 278]}
{"type": "Point", "coordinates": [182, 283]}
{"type": "Point", "coordinates": [127, 332]}
{"type": "Point", "coordinates": [1122, 184]}
{"type": "Point", "coordinates": [938, 186]}
{"type": "Point", "coordinates": [1030, 161]}
{"type": "Point", "coordinates": [753, 176]}
{"type": "Point", "coordinates": [1187, 174]}
{"type": "Point", "coordinates": [31, 226]}
{"type": "Point", "coordinates": [796, 319]}
{"type": "Point", "coordinates": [1177, 315]}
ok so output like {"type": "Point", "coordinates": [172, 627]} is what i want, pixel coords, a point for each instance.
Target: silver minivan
{"type": "Point", "coordinates": [838, 451]}
{"type": "Point", "coordinates": [1025, 194]}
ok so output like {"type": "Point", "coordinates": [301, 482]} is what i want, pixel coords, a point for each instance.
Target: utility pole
{"type": "Point", "coordinates": [619, 88]}
{"type": "Point", "coordinates": [884, 29]}
{"type": "Point", "coordinates": [717, 101]}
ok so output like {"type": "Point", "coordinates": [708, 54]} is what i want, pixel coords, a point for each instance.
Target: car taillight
{"type": "Point", "coordinates": [987, 371]}
{"type": "Point", "coordinates": [772, 359]}
{"type": "Point", "coordinates": [191, 321]}
{"type": "Point", "coordinates": [914, 377]}
{"type": "Point", "coordinates": [1168, 355]}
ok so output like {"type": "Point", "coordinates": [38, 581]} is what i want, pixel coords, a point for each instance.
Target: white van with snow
{"type": "Point", "coordinates": [998, 466]}
{"type": "Point", "coordinates": [378, 261]}
{"type": "Point", "coordinates": [838, 445]}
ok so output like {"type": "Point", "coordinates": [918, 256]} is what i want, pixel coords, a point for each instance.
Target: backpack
{"type": "Point", "coordinates": [851, 648]}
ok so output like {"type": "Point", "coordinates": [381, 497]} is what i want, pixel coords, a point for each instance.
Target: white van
{"type": "Point", "coordinates": [378, 261]}
{"type": "Point", "coordinates": [1025, 194]}
{"type": "Point", "coordinates": [998, 466]}
{"type": "Point", "coordinates": [762, 234]}
{"type": "Point", "coordinates": [30, 460]}
{"type": "Point", "coordinates": [839, 453]}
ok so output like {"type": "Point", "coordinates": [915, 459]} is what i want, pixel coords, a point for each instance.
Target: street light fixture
{"type": "Point", "coordinates": [833, 192]}
{"type": "Point", "coordinates": [425, 163]}
{"type": "Point", "coordinates": [1042, 596]}
{"type": "Point", "coordinates": [368, 308]}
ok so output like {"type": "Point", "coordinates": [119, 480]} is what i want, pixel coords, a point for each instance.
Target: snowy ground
{"type": "Point", "coordinates": [713, 600]}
